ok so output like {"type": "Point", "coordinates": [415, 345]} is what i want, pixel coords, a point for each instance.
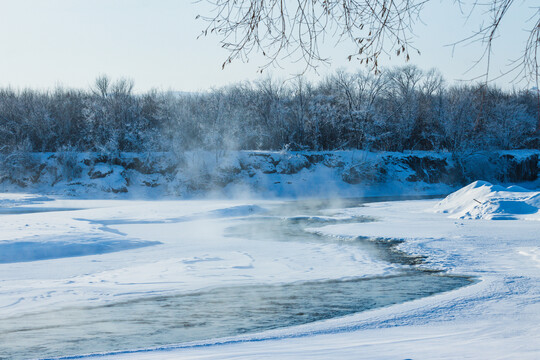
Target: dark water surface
{"type": "Point", "coordinates": [221, 312]}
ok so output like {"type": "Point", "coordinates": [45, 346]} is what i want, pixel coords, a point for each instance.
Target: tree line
{"type": "Point", "coordinates": [399, 109]}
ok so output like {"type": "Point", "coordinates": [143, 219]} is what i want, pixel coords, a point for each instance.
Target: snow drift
{"type": "Point", "coordinates": [483, 200]}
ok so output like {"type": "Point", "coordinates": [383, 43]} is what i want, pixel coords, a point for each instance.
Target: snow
{"type": "Point", "coordinates": [99, 251]}
{"type": "Point", "coordinates": [482, 200]}
{"type": "Point", "coordinates": [497, 317]}
{"type": "Point", "coordinates": [61, 247]}
{"type": "Point", "coordinates": [262, 174]}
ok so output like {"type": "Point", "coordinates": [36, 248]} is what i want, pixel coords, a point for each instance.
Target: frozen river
{"type": "Point", "coordinates": [102, 276]}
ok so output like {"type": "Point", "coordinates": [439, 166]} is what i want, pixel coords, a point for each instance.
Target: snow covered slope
{"type": "Point", "coordinates": [236, 174]}
{"type": "Point", "coordinates": [483, 200]}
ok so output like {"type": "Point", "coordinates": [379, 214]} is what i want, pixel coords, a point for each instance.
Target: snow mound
{"type": "Point", "coordinates": [483, 200]}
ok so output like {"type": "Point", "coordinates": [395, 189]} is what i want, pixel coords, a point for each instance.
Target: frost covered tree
{"type": "Point", "coordinates": [268, 106]}
{"type": "Point", "coordinates": [400, 109]}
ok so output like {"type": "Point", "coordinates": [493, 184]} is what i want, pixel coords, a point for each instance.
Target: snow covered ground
{"type": "Point", "coordinates": [133, 248]}
{"type": "Point", "coordinates": [496, 318]}
{"type": "Point", "coordinates": [57, 254]}
{"type": "Point", "coordinates": [104, 251]}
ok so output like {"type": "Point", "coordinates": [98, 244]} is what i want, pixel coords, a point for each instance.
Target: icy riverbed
{"type": "Point", "coordinates": [134, 248]}
{"type": "Point", "coordinates": [196, 247]}
{"type": "Point", "coordinates": [496, 318]}
{"type": "Point", "coordinates": [86, 276]}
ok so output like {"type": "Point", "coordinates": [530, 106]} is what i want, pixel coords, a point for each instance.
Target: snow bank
{"type": "Point", "coordinates": [241, 174]}
{"type": "Point", "coordinates": [483, 200]}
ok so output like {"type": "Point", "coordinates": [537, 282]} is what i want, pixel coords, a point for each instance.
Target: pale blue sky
{"type": "Point", "coordinates": [44, 43]}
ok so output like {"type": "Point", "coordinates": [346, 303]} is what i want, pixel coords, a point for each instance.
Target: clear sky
{"type": "Point", "coordinates": [44, 43]}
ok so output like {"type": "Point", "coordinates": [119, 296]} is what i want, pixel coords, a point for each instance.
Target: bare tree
{"type": "Point", "coordinates": [279, 29]}
{"type": "Point", "coordinates": [101, 86]}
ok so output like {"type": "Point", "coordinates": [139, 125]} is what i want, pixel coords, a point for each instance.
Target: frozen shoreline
{"type": "Point", "coordinates": [261, 174]}
{"type": "Point", "coordinates": [496, 317]}
{"type": "Point", "coordinates": [191, 253]}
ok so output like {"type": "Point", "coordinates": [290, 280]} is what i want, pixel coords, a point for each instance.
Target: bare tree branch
{"type": "Point", "coordinates": [294, 29]}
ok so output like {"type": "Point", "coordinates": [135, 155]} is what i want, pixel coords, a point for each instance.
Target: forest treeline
{"type": "Point", "coordinates": [401, 109]}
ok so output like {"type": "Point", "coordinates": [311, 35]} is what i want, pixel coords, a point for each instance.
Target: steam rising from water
{"type": "Point", "coordinates": [220, 312]}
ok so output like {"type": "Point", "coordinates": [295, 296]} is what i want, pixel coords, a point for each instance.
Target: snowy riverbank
{"type": "Point", "coordinates": [262, 174]}
{"type": "Point", "coordinates": [496, 318]}
{"type": "Point", "coordinates": [83, 254]}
